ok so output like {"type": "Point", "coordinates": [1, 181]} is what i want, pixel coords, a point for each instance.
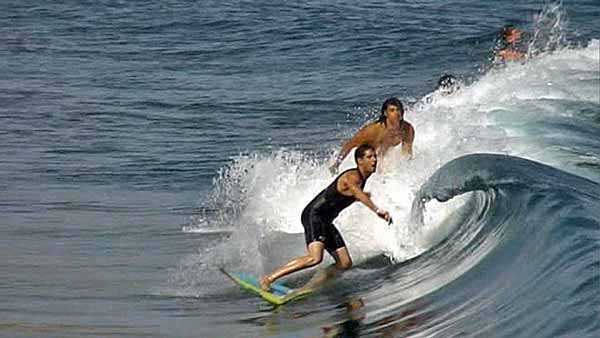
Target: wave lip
{"type": "Point", "coordinates": [482, 171]}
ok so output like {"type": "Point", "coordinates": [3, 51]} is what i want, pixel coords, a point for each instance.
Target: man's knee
{"type": "Point", "coordinates": [314, 260]}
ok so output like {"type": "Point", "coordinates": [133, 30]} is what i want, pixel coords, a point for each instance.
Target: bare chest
{"type": "Point", "coordinates": [390, 137]}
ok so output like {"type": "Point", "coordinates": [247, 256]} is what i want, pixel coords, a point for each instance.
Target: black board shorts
{"type": "Point", "coordinates": [316, 228]}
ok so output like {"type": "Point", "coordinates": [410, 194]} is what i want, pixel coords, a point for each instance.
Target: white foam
{"type": "Point", "coordinates": [209, 231]}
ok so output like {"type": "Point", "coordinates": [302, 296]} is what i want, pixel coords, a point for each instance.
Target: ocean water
{"type": "Point", "coordinates": [145, 144]}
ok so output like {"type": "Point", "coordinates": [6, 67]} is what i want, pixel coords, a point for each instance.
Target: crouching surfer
{"type": "Point", "coordinates": [317, 219]}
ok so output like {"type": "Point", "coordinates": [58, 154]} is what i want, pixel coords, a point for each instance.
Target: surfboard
{"type": "Point", "coordinates": [279, 294]}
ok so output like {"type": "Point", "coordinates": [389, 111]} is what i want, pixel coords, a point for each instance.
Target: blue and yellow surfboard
{"type": "Point", "coordinates": [279, 294]}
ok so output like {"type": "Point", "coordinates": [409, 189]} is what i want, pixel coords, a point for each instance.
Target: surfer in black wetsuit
{"type": "Point", "coordinates": [317, 218]}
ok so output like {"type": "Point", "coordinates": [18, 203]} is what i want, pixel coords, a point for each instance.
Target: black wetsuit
{"type": "Point", "coordinates": [319, 214]}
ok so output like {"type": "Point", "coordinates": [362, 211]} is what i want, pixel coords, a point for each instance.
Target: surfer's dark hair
{"type": "Point", "coordinates": [361, 150]}
{"type": "Point", "coordinates": [392, 101]}
{"type": "Point", "coordinates": [507, 29]}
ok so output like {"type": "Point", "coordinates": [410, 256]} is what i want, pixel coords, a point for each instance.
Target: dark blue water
{"type": "Point", "coordinates": [146, 143]}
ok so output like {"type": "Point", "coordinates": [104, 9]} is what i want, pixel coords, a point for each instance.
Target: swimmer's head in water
{"type": "Point", "coordinates": [392, 101]}
{"type": "Point", "coordinates": [448, 84]}
{"type": "Point", "coordinates": [511, 34]}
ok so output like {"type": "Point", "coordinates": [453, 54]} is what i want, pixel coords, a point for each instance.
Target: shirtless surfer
{"type": "Point", "coordinates": [512, 48]}
{"type": "Point", "coordinates": [389, 130]}
{"type": "Point", "coordinates": [317, 219]}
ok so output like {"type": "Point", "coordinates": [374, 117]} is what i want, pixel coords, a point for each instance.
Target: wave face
{"type": "Point", "coordinates": [524, 256]}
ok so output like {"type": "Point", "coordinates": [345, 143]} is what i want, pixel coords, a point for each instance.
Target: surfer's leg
{"type": "Point", "coordinates": [337, 249]}
{"type": "Point", "coordinates": [320, 278]}
{"type": "Point", "coordinates": [315, 281]}
{"type": "Point", "coordinates": [314, 257]}
{"type": "Point", "coordinates": [342, 259]}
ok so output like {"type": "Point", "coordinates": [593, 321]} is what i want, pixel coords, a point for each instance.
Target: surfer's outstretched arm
{"type": "Point", "coordinates": [351, 184]}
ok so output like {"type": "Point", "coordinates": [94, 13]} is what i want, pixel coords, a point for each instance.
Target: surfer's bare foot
{"type": "Point", "coordinates": [265, 283]}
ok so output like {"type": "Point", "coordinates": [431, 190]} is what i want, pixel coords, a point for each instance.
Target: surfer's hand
{"type": "Point", "coordinates": [385, 215]}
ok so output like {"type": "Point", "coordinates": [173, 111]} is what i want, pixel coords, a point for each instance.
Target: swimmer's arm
{"type": "Point", "coordinates": [407, 144]}
{"type": "Point", "coordinates": [364, 135]}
